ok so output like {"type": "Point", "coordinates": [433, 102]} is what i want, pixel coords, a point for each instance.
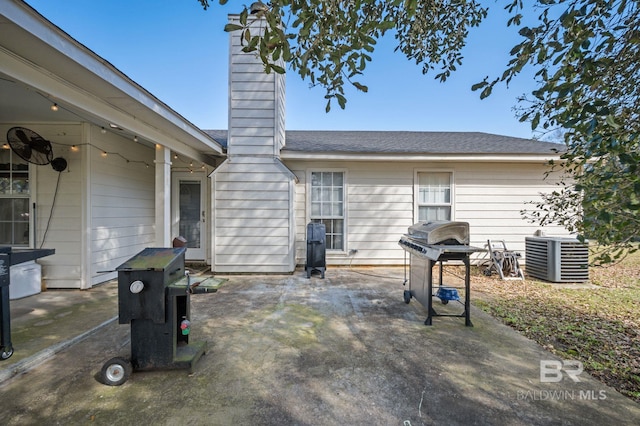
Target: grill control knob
{"type": "Point", "coordinates": [136, 287]}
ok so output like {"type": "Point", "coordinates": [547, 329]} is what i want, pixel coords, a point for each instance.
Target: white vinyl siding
{"type": "Point", "coordinates": [381, 204]}
{"type": "Point", "coordinates": [256, 104]}
{"type": "Point", "coordinates": [121, 201]}
{"type": "Point", "coordinates": [104, 206]}
{"type": "Point", "coordinates": [252, 218]}
{"type": "Point", "coordinates": [60, 226]}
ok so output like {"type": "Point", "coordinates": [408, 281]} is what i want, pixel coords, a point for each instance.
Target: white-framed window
{"type": "Point", "coordinates": [14, 199]}
{"type": "Point", "coordinates": [435, 195]}
{"type": "Point", "coordinates": [327, 205]}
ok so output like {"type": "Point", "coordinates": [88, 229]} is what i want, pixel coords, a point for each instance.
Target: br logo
{"type": "Point", "coordinates": [551, 370]}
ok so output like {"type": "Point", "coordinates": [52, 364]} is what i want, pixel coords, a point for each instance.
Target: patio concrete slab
{"type": "Point", "coordinates": [344, 350]}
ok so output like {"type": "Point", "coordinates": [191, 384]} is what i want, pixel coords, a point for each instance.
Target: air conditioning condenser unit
{"type": "Point", "coordinates": [557, 259]}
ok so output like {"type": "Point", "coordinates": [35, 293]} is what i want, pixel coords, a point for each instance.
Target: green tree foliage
{"type": "Point", "coordinates": [329, 42]}
{"type": "Point", "coordinates": [585, 54]}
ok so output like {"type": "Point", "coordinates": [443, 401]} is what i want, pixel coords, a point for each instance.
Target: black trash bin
{"type": "Point", "coordinates": [316, 248]}
{"type": "Point", "coordinates": [154, 297]}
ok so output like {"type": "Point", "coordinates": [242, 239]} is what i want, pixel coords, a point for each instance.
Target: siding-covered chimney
{"type": "Point", "coordinates": [256, 101]}
{"type": "Point", "coordinates": [252, 191]}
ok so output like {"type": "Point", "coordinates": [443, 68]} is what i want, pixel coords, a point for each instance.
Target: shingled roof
{"type": "Point", "coordinates": [401, 142]}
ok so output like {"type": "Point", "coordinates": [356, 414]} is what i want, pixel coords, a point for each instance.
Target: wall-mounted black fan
{"type": "Point", "coordinates": [30, 146]}
{"type": "Point", "coordinates": [33, 148]}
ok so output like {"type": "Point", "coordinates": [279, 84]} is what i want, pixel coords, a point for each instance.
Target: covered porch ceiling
{"type": "Point", "coordinates": [40, 65]}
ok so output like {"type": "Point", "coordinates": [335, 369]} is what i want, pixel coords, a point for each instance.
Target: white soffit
{"type": "Point", "coordinates": [70, 73]}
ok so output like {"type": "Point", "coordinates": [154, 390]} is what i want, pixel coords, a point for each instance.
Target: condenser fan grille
{"type": "Point", "coordinates": [30, 146]}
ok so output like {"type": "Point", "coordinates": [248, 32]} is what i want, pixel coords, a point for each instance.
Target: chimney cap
{"type": "Point", "coordinates": [258, 7]}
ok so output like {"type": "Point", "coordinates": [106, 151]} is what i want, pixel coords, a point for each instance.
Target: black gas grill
{"type": "Point", "coordinates": [440, 242]}
{"type": "Point", "coordinates": [154, 293]}
{"type": "Point", "coordinates": [8, 258]}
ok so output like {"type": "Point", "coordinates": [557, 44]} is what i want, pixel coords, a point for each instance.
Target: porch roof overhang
{"type": "Point", "coordinates": [40, 65]}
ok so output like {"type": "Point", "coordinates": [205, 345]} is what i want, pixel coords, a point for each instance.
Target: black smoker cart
{"type": "Point", "coordinates": [154, 292]}
{"type": "Point", "coordinates": [316, 248]}
{"type": "Point", "coordinates": [9, 257]}
{"type": "Point", "coordinates": [429, 243]}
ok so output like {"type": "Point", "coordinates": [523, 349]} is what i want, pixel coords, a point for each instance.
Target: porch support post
{"type": "Point", "coordinates": [163, 196]}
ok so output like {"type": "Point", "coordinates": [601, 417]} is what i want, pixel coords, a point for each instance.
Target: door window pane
{"type": "Point", "coordinates": [190, 212]}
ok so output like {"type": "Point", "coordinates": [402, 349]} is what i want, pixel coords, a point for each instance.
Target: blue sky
{"type": "Point", "coordinates": [179, 53]}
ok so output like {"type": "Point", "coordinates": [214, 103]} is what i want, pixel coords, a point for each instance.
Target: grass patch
{"type": "Point", "coordinates": [597, 324]}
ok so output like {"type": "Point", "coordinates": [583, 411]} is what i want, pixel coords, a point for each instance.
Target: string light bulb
{"type": "Point", "coordinates": [54, 107]}
{"type": "Point", "coordinates": [104, 154]}
{"type": "Point", "coordinates": [135, 139]}
{"type": "Point", "coordinates": [103, 130]}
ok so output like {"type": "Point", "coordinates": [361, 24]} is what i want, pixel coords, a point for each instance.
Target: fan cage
{"type": "Point", "coordinates": [30, 146]}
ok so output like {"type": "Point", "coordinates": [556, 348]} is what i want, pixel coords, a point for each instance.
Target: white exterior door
{"type": "Point", "coordinates": [189, 213]}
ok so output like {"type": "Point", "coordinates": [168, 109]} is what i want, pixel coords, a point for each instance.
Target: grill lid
{"type": "Point", "coordinates": [440, 232]}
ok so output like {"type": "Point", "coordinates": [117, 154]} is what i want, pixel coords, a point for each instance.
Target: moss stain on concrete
{"type": "Point", "coordinates": [291, 324]}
